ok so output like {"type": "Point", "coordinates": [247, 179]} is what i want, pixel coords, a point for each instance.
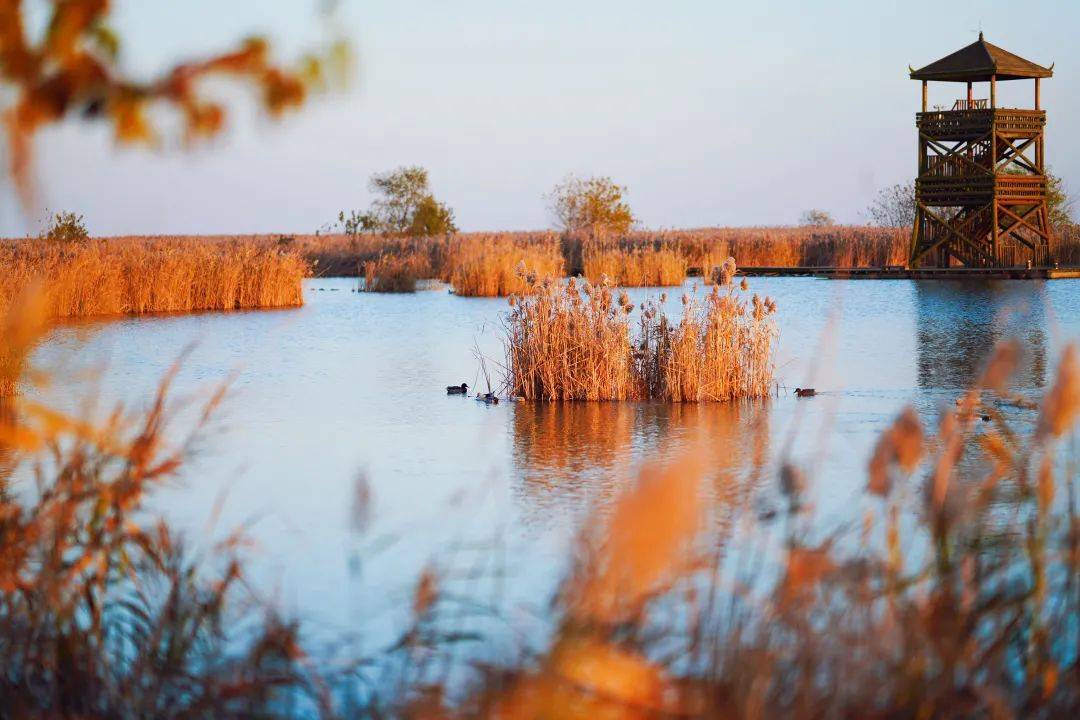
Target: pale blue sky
{"type": "Point", "coordinates": [711, 115]}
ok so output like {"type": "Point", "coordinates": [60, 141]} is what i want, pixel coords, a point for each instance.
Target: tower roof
{"type": "Point", "coordinates": [978, 62]}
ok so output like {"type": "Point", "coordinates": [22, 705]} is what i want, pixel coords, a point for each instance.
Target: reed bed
{"type": "Point", "coordinates": [639, 258]}
{"type": "Point", "coordinates": [842, 246]}
{"type": "Point", "coordinates": [637, 267]}
{"type": "Point", "coordinates": [574, 342]}
{"type": "Point", "coordinates": [497, 266]}
{"type": "Point", "coordinates": [395, 273]}
{"type": "Point", "coordinates": [121, 277]}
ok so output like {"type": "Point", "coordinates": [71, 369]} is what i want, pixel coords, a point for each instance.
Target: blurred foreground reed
{"type": "Point", "coordinates": [955, 593]}
{"type": "Point", "coordinates": [104, 610]}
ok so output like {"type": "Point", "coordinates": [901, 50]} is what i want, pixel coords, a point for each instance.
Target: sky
{"type": "Point", "coordinates": [710, 113]}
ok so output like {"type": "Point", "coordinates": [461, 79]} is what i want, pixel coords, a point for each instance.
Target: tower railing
{"type": "Point", "coordinates": [964, 104]}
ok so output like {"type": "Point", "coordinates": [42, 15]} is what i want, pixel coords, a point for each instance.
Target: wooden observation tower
{"type": "Point", "coordinates": [980, 197]}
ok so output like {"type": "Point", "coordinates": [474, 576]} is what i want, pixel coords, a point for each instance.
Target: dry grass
{"type": "Point", "coordinates": [840, 246]}
{"type": "Point", "coordinates": [119, 277]}
{"type": "Point", "coordinates": [635, 268]}
{"type": "Point", "coordinates": [706, 248]}
{"type": "Point", "coordinates": [574, 342]}
{"type": "Point", "coordinates": [500, 265]}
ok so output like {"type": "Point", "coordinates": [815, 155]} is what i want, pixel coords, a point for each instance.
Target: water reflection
{"type": "Point", "coordinates": [569, 455]}
{"type": "Point", "coordinates": [959, 323]}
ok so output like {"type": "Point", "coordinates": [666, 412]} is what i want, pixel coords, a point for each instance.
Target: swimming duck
{"type": "Point", "coordinates": [461, 389]}
{"type": "Point", "coordinates": [805, 392]}
{"type": "Point", "coordinates": [488, 398]}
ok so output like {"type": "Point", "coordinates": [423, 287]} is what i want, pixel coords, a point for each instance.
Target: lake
{"type": "Point", "coordinates": [353, 384]}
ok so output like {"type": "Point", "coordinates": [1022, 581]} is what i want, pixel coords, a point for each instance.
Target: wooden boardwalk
{"type": "Point", "coordinates": [900, 273]}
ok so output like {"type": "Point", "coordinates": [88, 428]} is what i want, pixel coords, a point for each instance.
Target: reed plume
{"type": "Point", "coordinates": [574, 342]}
{"type": "Point", "coordinates": [638, 267]}
{"type": "Point", "coordinates": [496, 266]}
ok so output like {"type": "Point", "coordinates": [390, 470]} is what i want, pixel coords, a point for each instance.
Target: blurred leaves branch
{"type": "Point", "coordinates": [74, 71]}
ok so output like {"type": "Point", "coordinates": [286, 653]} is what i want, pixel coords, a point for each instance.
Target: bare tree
{"type": "Point", "coordinates": [894, 206]}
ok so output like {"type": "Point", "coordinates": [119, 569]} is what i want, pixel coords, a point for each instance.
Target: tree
{"type": "Point", "coordinates": [73, 69]}
{"type": "Point", "coordinates": [594, 205]}
{"type": "Point", "coordinates": [431, 218]}
{"type": "Point", "coordinates": [816, 218]}
{"type": "Point", "coordinates": [407, 207]}
{"type": "Point", "coordinates": [894, 206]}
{"type": "Point", "coordinates": [1058, 201]}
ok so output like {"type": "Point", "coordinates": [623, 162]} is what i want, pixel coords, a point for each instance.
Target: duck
{"type": "Point", "coordinates": [462, 389]}
{"type": "Point", "coordinates": [488, 398]}
{"type": "Point", "coordinates": [805, 392]}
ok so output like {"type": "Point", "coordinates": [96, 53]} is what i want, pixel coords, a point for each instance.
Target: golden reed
{"type": "Point", "coordinates": [574, 342]}
{"type": "Point", "coordinates": [134, 276]}
{"type": "Point", "coordinates": [635, 267]}
{"type": "Point", "coordinates": [500, 265]}
{"type": "Point", "coordinates": [395, 273]}
{"type": "Point", "coordinates": [485, 263]}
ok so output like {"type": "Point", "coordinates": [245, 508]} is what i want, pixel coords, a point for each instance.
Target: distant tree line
{"type": "Point", "coordinates": [596, 206]}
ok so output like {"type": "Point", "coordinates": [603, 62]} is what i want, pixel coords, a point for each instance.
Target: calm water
{"type": "Point", "coordinates": [354, 383]}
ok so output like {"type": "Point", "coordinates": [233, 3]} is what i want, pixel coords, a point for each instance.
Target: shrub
{"type": "Point", "coordinates": [66, 227]}
{"type": "Point", "coordinates": [393, 273]}
{"type": "Point", "coordinates": [816, 218]}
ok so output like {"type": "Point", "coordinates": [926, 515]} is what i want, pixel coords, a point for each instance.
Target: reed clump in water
{"type": "Point", "coordinates": [121, 277]}
{"type": "Point", "coordinates": [574, 342]}
{"type": "Point", "coordinates": [497, 266]}
{"type": "Point", "coordinates": [395, 273]}
{"type": "Point", "coordinates": [636, 267]}
{"type": "Point", "coordinates": [720, 350]}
